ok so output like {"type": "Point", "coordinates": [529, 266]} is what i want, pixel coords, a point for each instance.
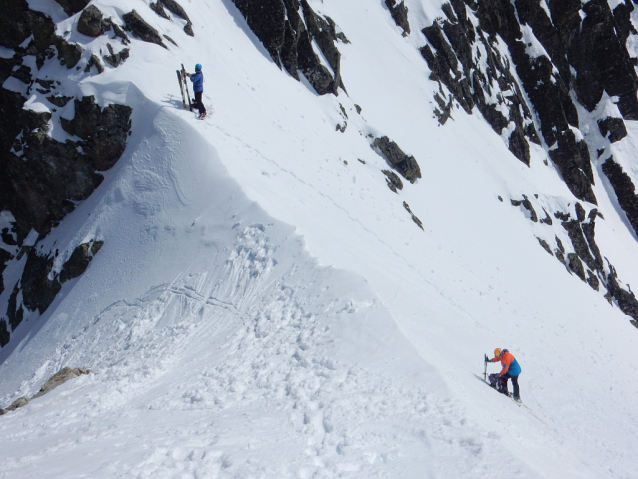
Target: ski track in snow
{"type": "Point", "coordinates": [211, 364]}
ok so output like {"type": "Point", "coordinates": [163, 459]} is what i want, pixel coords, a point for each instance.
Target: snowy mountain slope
{"type": "Point", "coordinates": [228, 344]}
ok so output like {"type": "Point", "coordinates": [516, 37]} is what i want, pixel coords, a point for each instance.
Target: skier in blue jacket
{"type": "Point", "coordinates": [198, 88]}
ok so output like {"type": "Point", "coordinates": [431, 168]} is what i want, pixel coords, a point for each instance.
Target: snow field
{"type": "Point", "coordinates": [260, 308]}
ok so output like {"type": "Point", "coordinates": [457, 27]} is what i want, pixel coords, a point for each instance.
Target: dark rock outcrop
{"type": "Point", "coordinates": [38, 291]}
{"type": "Point", "coordinates": [4, 334]}
{"type": "Point", "coordinates": [94, 61]}
{"type": "Point", "coordinates": [115, 59]}
{"type": "Point", "coordinates": [449, 56]}
{"type": "Point", "coordinates": [626, 300]}
{"type": "Point", "coordinates": [41, 179]}
{"type": "Point", "coordinates": [134, 23]}
{"type": "Point", "coordinates": [545, 246]}
{"type": "Point", "coordinates": [393, 181]}
{"type": "Point", "coordinates": [176, 9]}
{"type": "Point", "coordinates": [79, 260]}
{"type": "Point", "coordinates": [406, 165]}
{"type": "Point", "coordinates": [399, 13]}
{"type": "Point", "coordinates": [580, 53]}
{"type": "Point", "coordinates": [624, 189]}
{"type": "Point", "coordinates": [288, 37]}
{"type": "Point", "coordinates": [527, 204]}
{"type": "Point", "coordinates": [104, 131]}
{"type": "Point", "coordinates": [614, 127]}
{"type": "Point", "coordinates": [579, 242]}
{"type": "Point", "coordinates": [576, 265]}
{"type": "Point", "coordinates": [158, 7]}
{"type": "Point", "coordinates": [71, 7]}
{"type": "Point", "coordinates": [416, 220]}
{"type": "Point", "coordinates": [90, 22]}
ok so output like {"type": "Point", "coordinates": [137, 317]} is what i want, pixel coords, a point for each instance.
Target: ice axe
{"type": "Point", "coordinates": [485, 370]}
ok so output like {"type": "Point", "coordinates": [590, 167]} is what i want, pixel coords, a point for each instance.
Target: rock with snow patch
{"type": "Point", "coordinates": [614, 127]}
{"type": "Point", "coordinates": [406, 165]}
{"type": "Point", "coordinates": [576, 265]}
{"type": "Point", "coordinates": [134, 23]}
{"type": "Point", "coordinates": [20, 402]}
{"type": "Point", "coordinates": [399, 14]}
{"type": "Point", "coordinates": [625, 190]}
{"type": "Point", "coordinates": [158, 8]}
{"type": "Point", "coordinates": [393, 181]}
{"type": "Point", "coordinates": [105, 131]}
{"type": "Point", "coordinates": [71, 7]}
{"type": "Point", "coordinates": [90, 22]}
{"type": "Point", "coordinates": [62, 376]}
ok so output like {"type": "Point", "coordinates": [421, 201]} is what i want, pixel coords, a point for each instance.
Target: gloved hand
{"type": "Point", "coordinates": [486, 358]}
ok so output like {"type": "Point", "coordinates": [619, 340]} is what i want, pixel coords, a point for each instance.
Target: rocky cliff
{"type": "Point", "coordinates": [534, 69]}
{"type": "Point", "coordinates": [43, 176]}
{"type": "Point", "coordinates": [537, 71]}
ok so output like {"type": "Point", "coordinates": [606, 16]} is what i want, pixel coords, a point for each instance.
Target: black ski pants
{"type": "Point", "coordinates": [500, 383]}
{"type": "Point", "coordinates": [198, 102]}
{"type": "Point", "coordinates": [514, 379]}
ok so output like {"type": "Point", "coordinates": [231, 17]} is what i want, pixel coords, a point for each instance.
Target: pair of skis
{"type": "Point", "coordinates": [183, 86]}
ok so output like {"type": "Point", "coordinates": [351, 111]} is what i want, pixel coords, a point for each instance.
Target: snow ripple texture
{"type": "Point", "coordinates": [210, 375]}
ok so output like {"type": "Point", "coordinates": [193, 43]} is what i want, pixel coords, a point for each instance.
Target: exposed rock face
{"type": "Point", "coordinates": [585, 260]}
{"type": "Point", "coordinates": [59, 378]}
{"type": "Point", "coordinates": [134, 23]}
{"type": "Point", "coordinates": [576, 265]}
{"type": "Point", "coordinates": [287, 35]}
{"type": "Point", "coordinates": [41, 178]}
{"type": "Point", "coordinates": [404, 164]}
{"type": "Point", "coordinates": [62, 376]}
{"type": "Point", "coordinates": [4, 334]}
{"type": "Point", "coordinates": [451, 58]}
{"type": "Point", "coordinates": [625, 190]}
{"type": "Point", "coordinates": [614, 127]}
{"type": "Point", "coordinates": [40, 284]}
{"type": "Point", "coordinates": [527, 204]}
{"type": "Point", "coordinates": [583, 50]}
{"type": "Point", "coordinates": [176, 9]}
{"type": "Point", "coordinates": [20, 402]}
{"type": "Point", "coordinates": [115, 59]}
{"type": "Point", "coordinates": [71, 7]}
{"type": "Point", "coordinates": [399, 13]}
{"type": "Point", "coordinates": [158, 7]}
{"type": "Point", "coordinates": [393, 181]}
{"type": "Point", "coordinates": [39, 191]}
{"type": "Point", "coordinates": [90, 22]}
{"type": "Point", "coordinates": [38, 291]}
{"type": "Point", "coordinates": [626, 300]}
{"type": "Point", "coordinates": [416, 220]}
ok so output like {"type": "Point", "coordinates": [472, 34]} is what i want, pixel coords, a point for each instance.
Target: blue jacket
{"type": "Point", "coordinates": [198, 81]}
{"type": "Point", "coordinates": [514, 368]}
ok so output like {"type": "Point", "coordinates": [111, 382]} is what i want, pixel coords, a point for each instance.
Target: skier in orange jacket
{"type": "Point", "coordinates": [511, 370]}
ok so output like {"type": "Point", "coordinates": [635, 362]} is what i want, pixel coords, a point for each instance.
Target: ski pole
{"type": "Point", "coordinates": [485, 371]}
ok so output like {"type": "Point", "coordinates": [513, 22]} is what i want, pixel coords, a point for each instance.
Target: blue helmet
{"type": "Point", "coordinates": [198, 67]}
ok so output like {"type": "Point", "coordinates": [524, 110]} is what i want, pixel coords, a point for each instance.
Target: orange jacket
{"type": "Point", "coordinates": [506, 360]}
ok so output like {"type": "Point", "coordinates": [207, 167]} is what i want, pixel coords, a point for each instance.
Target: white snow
{"type": "Point", "coordinates": [264, 306]}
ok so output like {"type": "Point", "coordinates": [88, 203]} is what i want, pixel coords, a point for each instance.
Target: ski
{"type": "Point", "coordinates": [181, 87]}
{"type": "Point", "coordinates": [509, 395]}
{"type": "Point", "coordinates": [186, 86]}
